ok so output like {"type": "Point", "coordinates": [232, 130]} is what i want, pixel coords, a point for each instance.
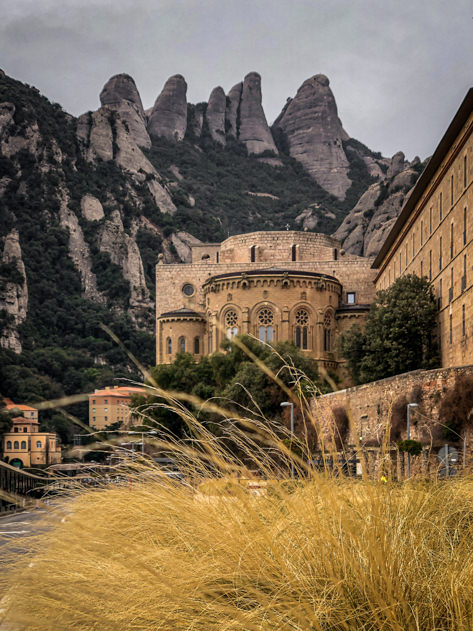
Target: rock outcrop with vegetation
{"type": "Point", "coordinates": [87, 204]}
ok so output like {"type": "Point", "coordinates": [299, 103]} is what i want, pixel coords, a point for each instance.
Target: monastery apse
{"type": "Point", "coordinates": [278, 286]}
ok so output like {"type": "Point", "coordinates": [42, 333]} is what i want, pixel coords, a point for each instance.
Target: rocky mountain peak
{"type": "Point", "coordinates": [168, 118]}
{"type": "Point", "coordinates": [215, 115]}
{"type": "Point", "coordinates": [254, 130]}
{"type": "Point", "coordinates": [121, 94]}
{"type": "Point", "coordinates": [312, 132]}
{"type": "Point", "coordinates": [233, 104]}
{"type": "Point", "coordinates": [121, 87]}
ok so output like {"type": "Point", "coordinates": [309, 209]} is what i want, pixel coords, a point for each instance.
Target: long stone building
{"type": "Point", "coordinates": [433, 237]}
{"type": "Point", "coordinates": [297, 286]}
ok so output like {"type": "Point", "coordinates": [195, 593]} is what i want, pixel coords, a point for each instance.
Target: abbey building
{"type": "Point", "coordinates": [433, 237]}
{"type": "Point", "coordinates": [297, 286]}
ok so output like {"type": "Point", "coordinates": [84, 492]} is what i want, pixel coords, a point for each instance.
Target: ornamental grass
{"type": "Point", "coordinates": [237, 544]}
{"type": "Point", "coordinates": [321, 554]}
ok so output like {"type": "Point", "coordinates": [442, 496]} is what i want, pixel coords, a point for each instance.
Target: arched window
{"type": "Point", "coordinates": [253, 253]}
{"type": "Point", "coordinates": [182, 344]}
{"type": "Point", "coordinates": [302, 329]}
{"type": "Point", "coordinates": [16, 445]}
{"type": "Point", "coordinates": [196, 345]}
{"type": "Point", "coordinates": [8, 444]}
{"type": "Point", "coordinates": [169, 346]}
{"type": "Point", "coordinates": [23, 444]}
{"type": "Point", "coordinates": [38, 444]}
{"type": "Point", "coordinates": [294, 253]}
{"type": "Point", "coordinates": [328, 332]}
{"type": "Point", "coordinates": [231, 323]}
{"type": "Point", "coordinates": [265, 321]}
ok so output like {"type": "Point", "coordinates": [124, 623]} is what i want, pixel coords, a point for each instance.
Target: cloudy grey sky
{"type": "Point", "coordinates": [398, 68]}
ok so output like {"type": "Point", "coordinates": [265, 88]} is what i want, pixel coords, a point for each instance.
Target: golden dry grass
{"type": "Point", "coordinates": [322, 554]}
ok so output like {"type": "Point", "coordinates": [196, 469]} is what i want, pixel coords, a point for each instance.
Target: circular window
{"type": "Point", "coordinates": [265, 316]}
{"type": "Point", "coordinates": [231, 318]}
{"type": "Point", "coordinates": [302, 317]}
{"type": "Point", "coordinates": [327, 320]}
{"type": "Point", "coordinates": [188, 289]}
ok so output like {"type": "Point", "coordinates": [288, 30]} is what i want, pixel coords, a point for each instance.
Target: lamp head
{"type": "Point", "coordinates": [285, 404]}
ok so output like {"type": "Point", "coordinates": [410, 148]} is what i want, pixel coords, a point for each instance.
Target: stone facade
{"type": "Point", "coordinates": [433, 237]}
{"type": "Point", "coordinates": [112, 405]}
{"type": "Point", "coordinates": [24, 445]}
{"type": "Point", "coordinates": [377, 413]}
{"type": "Point", "coordinates": [297, 286]}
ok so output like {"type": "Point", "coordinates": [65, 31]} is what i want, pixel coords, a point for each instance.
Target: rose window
{"type": "Point", "coordinates": [231, 318]}
{"type": "Point", "coordinates": [302, 317]}
{"type": "Point", "coordinates": [265, 317]}
{"type": "Point", "coordinates": [327, 320]}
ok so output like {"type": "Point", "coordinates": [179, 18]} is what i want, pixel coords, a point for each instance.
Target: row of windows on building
{"type": "Point", "coordinates": [463, 325]}
{"type": "Point", "coordinates": [441, 265]}
{"type": "Point", "coordinates": [182, 345]}
{"type": "Point", "coordinates": [16, 444]}
{"type": "Point", "coordinates": [294, 252]}
{"type": "Point", "coordinates": [265, 330]}
{"type": "Point", "coordinates": [442, 262]}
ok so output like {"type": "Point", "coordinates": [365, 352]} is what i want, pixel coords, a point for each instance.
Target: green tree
{"type": "Point", "coordinates": [5, 418]}
{"type": "Point", "coordinates": [399, 335]}
{"type": "Point", "coordinates": [233, 378]}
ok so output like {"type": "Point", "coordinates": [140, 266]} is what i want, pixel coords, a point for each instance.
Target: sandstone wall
{"type": "Point", "coordinates": [371, 405]}
{"type": "Point", "coordinates": [354, 275]}
{"type": "Point", "coordinates": [437, 242]}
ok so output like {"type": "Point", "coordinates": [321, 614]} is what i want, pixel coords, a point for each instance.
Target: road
{"type": "Point", "coordinates": [15, 528]}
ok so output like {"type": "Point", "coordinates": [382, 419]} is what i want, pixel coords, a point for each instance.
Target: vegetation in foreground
{"type": "Point", "coordinates": [318, 552]}
{"type": "Point", "coordinates": [323, 554]}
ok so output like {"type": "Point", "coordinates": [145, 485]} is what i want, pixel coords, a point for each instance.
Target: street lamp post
{"type": "Point", "coordinates": [409, 406]}
{"type": "Point", "coordinates": [143, 439]}
{"type": "Point", "coordinates": [285, 404]}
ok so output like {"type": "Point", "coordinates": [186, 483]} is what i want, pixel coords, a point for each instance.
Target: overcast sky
{"type": "Point", "coordinates": [398, 69]}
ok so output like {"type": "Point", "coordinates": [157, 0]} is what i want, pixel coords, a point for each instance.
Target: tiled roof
{"type": "Point", "coordinates": [18, 406]}
{"type": "Point", "coordinates": [122, 391]}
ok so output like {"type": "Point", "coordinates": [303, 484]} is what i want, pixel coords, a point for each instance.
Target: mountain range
{"type": "Point", "coordinates": [88, 203]}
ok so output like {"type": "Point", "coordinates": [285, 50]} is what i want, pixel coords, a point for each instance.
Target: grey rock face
{"type": "Point", "coordinates": [79, 251]}
{"type": "Point", "coordinates": [307, 219]}
{"type": "Point", "coordinates": [91, 208]}
{"type": "Point", "coordinates": [120, 93]}
{"type": "Point", "coordinates": [397, 165]}
{"type": "Point", "coordinates": [215, 115]}
{"type": "Point", "coordinates": [95, 131]}
{"type": "Point", "coordinates": [254, 130]}
{"type": "Point", "coordinates": [314, 134]}
{"type": "Point", "coordinates": [13, 296]}
{"type": "Point", "coordinates": [367, 225]}
{"type": "Point", "coordinates": [233, 105]}
{"type": "Point", "coordinates": [168, 117]}
{"type": "Point", "coordinates": [183, 241]}
{"type": "Point", "coordinates": [124, 252]}
{"type": "Point", "coordinates": [121, 87]}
